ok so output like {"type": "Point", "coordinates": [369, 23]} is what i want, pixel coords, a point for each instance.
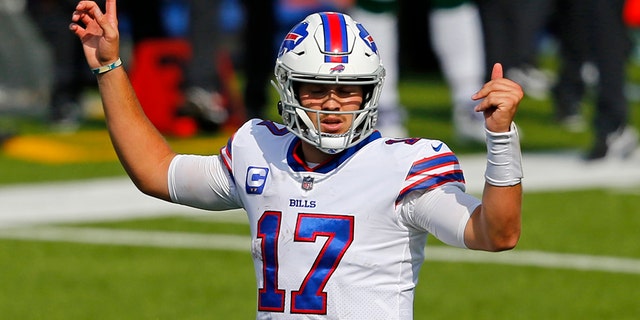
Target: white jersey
{"type": "Point", "coordinates": [334, 241]}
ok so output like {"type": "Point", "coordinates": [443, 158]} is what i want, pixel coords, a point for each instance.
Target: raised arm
{"type": "Point", "coordinates": [142, 150]}
{"type": "Point", "coordinates": [495, 225]}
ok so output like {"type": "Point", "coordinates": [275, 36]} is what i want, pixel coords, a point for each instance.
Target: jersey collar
{"type": "Point", "coordinates": [297, 163]}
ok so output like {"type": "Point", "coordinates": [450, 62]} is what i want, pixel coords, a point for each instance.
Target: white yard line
{"type": "Point", "coordinates": [242, 243]}
{"type": "Point", "coordinates": [561, 171]}
{"type": "Point", "coordinates": [161, 239]}
{"type": "Point", "coordinates": [77, 201]}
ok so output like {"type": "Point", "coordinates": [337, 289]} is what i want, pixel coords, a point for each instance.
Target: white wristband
{"type": "Point", "coordinates": [504, 159]}
{"type": "Point", "coordinates": [108, 67]}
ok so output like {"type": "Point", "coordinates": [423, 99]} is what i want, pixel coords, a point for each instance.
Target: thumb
{"type": "Point", "coordinates": [497, 72]}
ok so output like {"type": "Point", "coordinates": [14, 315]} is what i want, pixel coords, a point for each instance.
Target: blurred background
{"type": "Point", "coordinates": [78, 241]}
{"type": "Point", "coordinates": [203, 67]}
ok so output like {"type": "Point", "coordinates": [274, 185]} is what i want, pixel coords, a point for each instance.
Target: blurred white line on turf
{"type": "Point", "coordinates": [242, 243]}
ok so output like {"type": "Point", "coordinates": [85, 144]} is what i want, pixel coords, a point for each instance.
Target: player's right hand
{"type": "Point", "coordinates": [97, 31]}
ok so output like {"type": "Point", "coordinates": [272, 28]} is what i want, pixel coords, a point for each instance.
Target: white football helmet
{"type": "Point", "coordinates": [328, 48]}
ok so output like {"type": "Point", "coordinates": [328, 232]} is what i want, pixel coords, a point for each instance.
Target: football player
{"type": "Point", "coordinates": [339, 214]}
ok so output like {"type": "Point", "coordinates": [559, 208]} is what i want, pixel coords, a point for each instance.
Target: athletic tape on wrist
{"type": "Point", "coordinates": [504, 159]}
{"type": "Point", "coordinates": [108, 67]}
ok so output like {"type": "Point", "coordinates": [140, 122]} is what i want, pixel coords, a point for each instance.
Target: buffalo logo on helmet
{"type": "Point", "coordinates": [294, 38]}
{"type": "Point", "coordinates": [339, 68]}
{"type": "Point", "coordinates": [368, 39]}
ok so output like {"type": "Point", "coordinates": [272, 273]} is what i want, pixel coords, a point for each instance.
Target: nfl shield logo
{"type": "Point", "coordinates": [307, 183]}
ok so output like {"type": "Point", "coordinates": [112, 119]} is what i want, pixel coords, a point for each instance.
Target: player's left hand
{"type": "Point", "coordinates": [500, 98]}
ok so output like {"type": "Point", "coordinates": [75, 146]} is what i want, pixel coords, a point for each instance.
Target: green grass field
{"type": "Point", "coordinates": [76, 280]}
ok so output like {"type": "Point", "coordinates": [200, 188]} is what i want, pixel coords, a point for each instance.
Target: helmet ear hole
{"type": "Point", "coordinates": [295, 87]}
{"type": "Point", "coordinates": [367, 93]}
{"type": "Point", "coordinates": [280, 106]}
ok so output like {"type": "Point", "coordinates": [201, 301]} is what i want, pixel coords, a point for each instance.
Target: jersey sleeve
{"type": "Point", "coordinates": [433, 197]}
{"type": "Point", "coordinates": [435, 165]}
{"type": "Point", "coordinates": [202, 182]}
{"type": "Point", "coordinates": [443, 211]}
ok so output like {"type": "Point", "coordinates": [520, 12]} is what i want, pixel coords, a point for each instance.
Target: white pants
{"type": "Point", "coordinates": [457, 40]}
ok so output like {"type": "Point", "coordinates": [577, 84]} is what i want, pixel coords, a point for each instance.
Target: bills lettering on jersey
{"type": "Point", "coordinates": [256, 179]}
{"type": "Point", "coordinates": [300, 203]}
